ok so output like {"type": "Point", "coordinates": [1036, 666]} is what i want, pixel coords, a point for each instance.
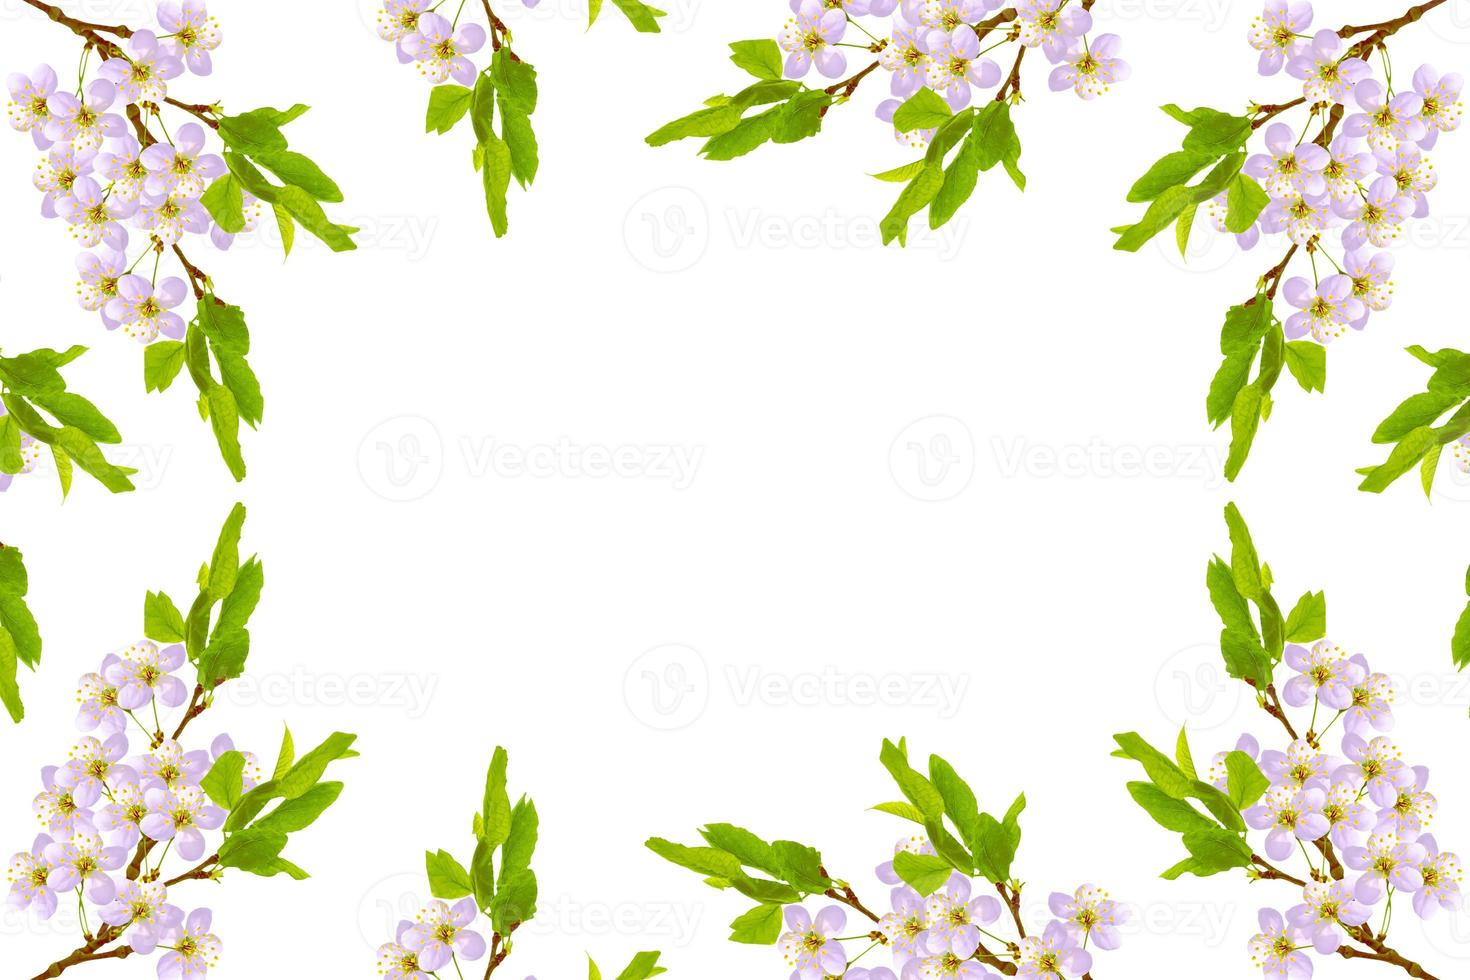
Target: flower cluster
{"type": "Point", "coordinates": [1347, 833]}
{"type": "Point", "coordinates": [1366, 814]}
{"type": "Point", "coordinates": [438, 46]}
{"type": "Point", "coordinates": [124, 194]}
{"type": "Point", "coordinates": [952, 895]}
{"type": "Point", "coordinates": [945, 934]}
{"type": "Point", "coordinates": [138, 795]}
{"type": "Point", "coordinates": [1342, 184]}
{"type": "Point", "coordinates": [499, 99]}
{"type": "Point", "coordinates": [1334, 188]}
{"type": "Point", "coordinates": [116, 810]}
{"type": "Point", "coordinates": [941, 45]}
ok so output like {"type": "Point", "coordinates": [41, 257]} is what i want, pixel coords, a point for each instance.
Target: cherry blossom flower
{"type": "Point", "coordinates": [808, 945]}
{"type": "Point", "coordinates": [193, 949]}
{"type": "Point", "coordinates": [143, 909]}
{"type": "Point", "coordinates": [143, 74]}
{"type": "Point", "coordinates": [30, 880]}
{"type": "Point", "coordinates": [810, 38]}
{"type": "Point", "coordinates": [1091, 69]}
{"type": "Point", "coordinates": [30, 103]}
{"type": "Point", "coordinates": [1277, 33]}
{"type": "Point", "coordinates": [440, 50]}
{"type": "Point", "coordinates": [441, 934]}
{"type": "Point", "coordinates": [192, 33]}
{"type": "Point", "coordinates": [145, 314]}
{"type": "Point", "coordinates": [1326, 313]}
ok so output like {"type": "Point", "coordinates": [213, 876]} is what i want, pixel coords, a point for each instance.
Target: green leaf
{"type": "Point", "coordinates": [1245, 561]}
{"type": "Point", "coordinates": [1405, 456]}
{"type": "Point", "coordinates": [1174, 170]}
{"type": "Point", "coordinates": [1307, 362]}
{"type": "Point", "coordinates": [162, 362]}
{"type": "Point", "coordinates": [1246, 783]}
{"type": "Point", "coordinates": [302, 811]}
{"type": "Point", "coordinates": [1212, 131]}
{"type": "Point", "coordinates": [162, 620]}
{"type": "Point", "coordinates": [761, 926]}
{"type": "Point", "coordinates": [307, 772]}
{"type": "Point", "coordinates": [252, 850]}
{"type": "Point", "coordinates": [918, 790]}
{"type": "Point", "coordinates": [1169, 813]}
{"type": "Point", "coordinates": [224, 783]}
{"type": "Point", "coordinates": [1245, 421]}
{"type": "Point", "coordinates": [1244, 204]}
{"type": "Point", "coordinates": [643, 17]}
{"type": "Point", "coordinates": [9, 685]}
{"type": "Point", "coordinates": [1460, 645]}
{"type": "Point", "coordinates": [496, 168]}
{"type": "Point", "coordinates": [85, 454]}
{"type": "Point", "coordinates": [905, 810]}
{"type": "Point", "coordinates": [75, 411]}
{"type": "Point", "coordinates": [643, 967]}
{"type": "Point", "coordinates": [285, 757]}
{"type": "Point", "coordinates": [914, 198]}
{"type": "Point", "coordinates": [448, 879]}
{"type": "Point", "coordinates": [1422, 409]}
{"type": "Point", "coordinates": [999, 142]}
{"type": "Point", "coordinates": [1215, 851]}
{"type": "Point", "coordinates": [224, 419]}
{"type": "Point", "coordinates": [1183, 756]}
{"type": "Point", "coordinates": [295, 170]}
{"type": "Point", "coordinates": [704, 123]}
{"type": "Point", "coordinates": [760, 58]}
{"type": "Point", "coordinates": [926, 873]}
{"type": "Point", "coordinates": [1308, 620]}
{"type": "Point", "coordinates": [224, 199]}
{"type": "Point", "coordinates": [224, 563]}
{"type": "Point", "coordinates": [925, 109]}
{"type": "Point", "coordinates": [495, 816]}
{"type": "Point", "coordinates": [448, 104]}
{"type": "Point", "coordinates": [515, 84]}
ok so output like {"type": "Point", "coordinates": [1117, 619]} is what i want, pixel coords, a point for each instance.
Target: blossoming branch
{"type": "Point", "coordinates": [135, 815]}
{"type": "Point", "coordinates": [1346, 831]}
{"type": "Point", "coordinates": [937, 56]}
{"type": "Point", "coordinates": [942, 919]}
{"type": "Point", "coordinates": [444, 935]}
{"type": "Point", "coordinates": [1339, 182]}
{"type": "Point", "coordinates": [125, 167]}
{"type": "Point", "coordinates": [441, 48]}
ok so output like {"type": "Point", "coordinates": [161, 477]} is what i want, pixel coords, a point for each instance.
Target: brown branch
{"type": "Point", "coordinates": [198, 281]}
{"type": "Point", "coordinates": [87, 31]}
{"type": "Point", "coordinates": [995, 23]}
{"type": "Point", "coordinates": [1013, 83]}
{"type": "Point", "coordinates": [499, 33]}
{"type": "Point", "coordinates": [1390, 27]}
{"type": "Point", "coordinates": [203, 872]}
{"type": "Point", "coordinates": [849, 898]}
{"type": "Point", "coordinates": [1273, 277]}
{"type": "Point", "coordinates": [1266, 871]}
{"type": "Point", "coordinates": [1012, 897]}
{"type": "Point", "coordinates": [1270, 112]}
{"type": "Point", "coordinates": [1382, 953]}
{"type": "Point", "coordinates": [90, 952]}
{"type": "Point", "coordinates": [499, 950]}
{"type": "Point", "coordinates": [847, 86]}
{"type": "Point", "coordinates": [204, 113]}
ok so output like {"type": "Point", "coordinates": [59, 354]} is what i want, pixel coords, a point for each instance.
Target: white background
{"type": "Point", "coordinates": [439, 603]}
